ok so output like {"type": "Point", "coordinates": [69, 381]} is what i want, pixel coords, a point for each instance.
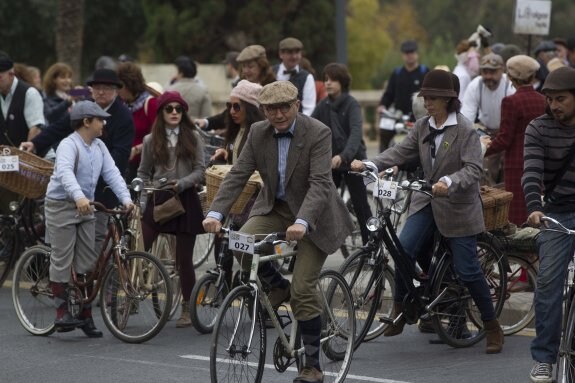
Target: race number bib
{"type": "Point", "coordinates": [242, 242]}
{"type": "Point", "coordinates": [9, 164]}
{"type": "Point", "coordinates": [386, 123]}
{"type": "Point", "coordinates": [385, 189]}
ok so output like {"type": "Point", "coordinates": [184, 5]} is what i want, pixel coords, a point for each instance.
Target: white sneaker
{"type": "Point", "coordinates": [541, 373]}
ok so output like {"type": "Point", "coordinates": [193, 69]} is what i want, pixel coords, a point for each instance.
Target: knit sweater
{"type": "Point", "coordinates": [547, 145]}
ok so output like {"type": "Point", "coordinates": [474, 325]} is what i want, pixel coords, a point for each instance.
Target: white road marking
{"type": "Point", "coordinates": [293, 369]}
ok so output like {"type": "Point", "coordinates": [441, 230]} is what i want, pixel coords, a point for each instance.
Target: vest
{"type": "Point", "coordinates": [13, 129]}
{"type": "Point", "coordinates": [298, 80]}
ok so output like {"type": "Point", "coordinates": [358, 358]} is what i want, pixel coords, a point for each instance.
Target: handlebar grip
{"type": "Point", "coordinates": [281, 235]}
{"type": "Point", "coordinates": [425, 187]}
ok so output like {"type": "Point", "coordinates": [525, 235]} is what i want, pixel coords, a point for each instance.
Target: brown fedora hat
{"type": "Point", "coordinates": [437, 83]}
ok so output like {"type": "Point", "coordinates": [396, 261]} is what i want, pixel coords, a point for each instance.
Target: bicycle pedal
{"type": "Point", "coordinates": [386, 320]}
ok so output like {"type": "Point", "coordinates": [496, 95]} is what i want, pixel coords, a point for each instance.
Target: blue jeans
{"type": "Point", "coordinates": [555, 251]}
{"type": "Point", "coordinates": [417, 236]}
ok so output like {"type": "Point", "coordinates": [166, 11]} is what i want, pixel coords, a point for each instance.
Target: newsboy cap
{"type": "Point", "coordinates": [6, 63]}
{"type": "Point", "coordinates": [251, 52]}
{"type": "Point", "coordinates": [491, 61]}
{"type": "Point", "coordinates": [277, 92]}
{"type": "Point", "coordinates": [290, 43]}
{"type": "Point", "coordinates": [521, 67]}
{"type": "Point", "coordinates": [87, 109]}
{"type": "Point", "coordinates": [560, 79]}
{"type": "Point", "coordinates": [408, 46]}
{"type": "Point", "coordinates": [545, 46]}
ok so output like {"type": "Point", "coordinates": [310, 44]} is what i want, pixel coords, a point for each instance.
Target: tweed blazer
{"type": "Point", "coordinates": [310, 191]}
{"type": "Point", "coordinates": [457, 157]}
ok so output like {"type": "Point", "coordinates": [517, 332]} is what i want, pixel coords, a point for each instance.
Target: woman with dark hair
{"type": "Point", "coordinates": [342, 114]}
{"type": "Point", "coordinates": [143, 107]}
{"type": "Point", "coordinates": [57, 85]}
{"type": "Point", "coordinates": [174, 151]}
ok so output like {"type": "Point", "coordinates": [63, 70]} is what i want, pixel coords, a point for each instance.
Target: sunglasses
{"type": "Point", "coordinates": [170, 109]}
{"type": "Point", "coordinates": [236, 106]}
{"type": "Point", "coordinates": [283, 107]}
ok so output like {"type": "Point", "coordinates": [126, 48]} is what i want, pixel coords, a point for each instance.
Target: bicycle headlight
{"type": "Point", "coordinates": [137, 185]}
{"type": "Point", "coordinates": [13, 206]}
{"type": "Point", "coordinates": [373, 224]}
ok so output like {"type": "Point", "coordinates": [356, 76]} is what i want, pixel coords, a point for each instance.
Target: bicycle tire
{"type": "Point", "coordinates": [136, 311]}
{"type": "Point", "coordinates": [31, 293]}
{"type": "Point", "coordinates": [362, 277]}
{"type": "Point", "coordinates": [206, 300]}
{"type": "Point", "coordinates": [234, 318]}
{"type": "Point", "coordinates": [338, 326]}
{"type": "Point", "coordinates": [203, 247]}
{"type": "Point", "coordinates": [518, 308]}
{"type": "Point", "coordinates": [163, 250]}
{"type": "Point", "coordinates": [385, 305]}
{"type": "Point", "coordinates": [8, 253]}
{"type": "Point", "coordinates": [566, 363]}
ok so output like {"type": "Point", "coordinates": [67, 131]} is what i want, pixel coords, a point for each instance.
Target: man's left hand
{"type": "Point", "coordinates": [295, 232]}
{"type": "Point", "coordinates": [440, 189]}
{"type": "Point", "coordinates": [336, 162]}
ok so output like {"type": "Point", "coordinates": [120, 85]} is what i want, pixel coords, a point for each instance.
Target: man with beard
{"type": "Point", "coordinates": [548, 169]}
{"type": "Point", "coordinates": [482, 103]}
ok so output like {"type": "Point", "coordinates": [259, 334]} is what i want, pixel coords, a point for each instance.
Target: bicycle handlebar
{"type": "Point", "coordinates": [102, 208]}
{"type": "Point", "coordinates": [562, 228]}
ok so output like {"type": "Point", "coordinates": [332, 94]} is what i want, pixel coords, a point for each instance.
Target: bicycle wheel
{"type": "Point", "coordinates": [163, 248]}
{"type": "Point", "coordinates": [136, 298]}
{"type": "Point", "coordinates": [385, 305]}
{"type": "Point", "coordinates": [206, 300]}
{"type": "Point", "coordinates": [566, 363]}
{"type": "Point", "coordinates": [518, 308]}
{"type": "Point", "coordinates": [362, 276]}
{"type": "Point", "coordinates": [31, 293]}
{"type": "Point", "coordinates": [233, 358]}
{"type": "Point", "coordinates": [203, 247]}
{"type": "Point", "coordinates": [7, 251]}
{"type": "Point", "coordinates": [338, 326]}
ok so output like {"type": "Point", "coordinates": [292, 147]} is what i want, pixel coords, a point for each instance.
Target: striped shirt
{"type": "Point", "coordinates": [547, 145]}
{"type": "Point", "coordinates": [283, 149]}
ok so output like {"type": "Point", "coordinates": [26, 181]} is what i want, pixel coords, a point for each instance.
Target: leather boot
{"type": "Point", "coordinates": [184, 320]}
{"type": "Point", "coordinates": [64, 321]}
{"type": "Point", "coordinates": [89, 328]}
{"type": "Point", "coordinates": [494, 337]}
{"type": "Point", "coordinates": [393, 330]}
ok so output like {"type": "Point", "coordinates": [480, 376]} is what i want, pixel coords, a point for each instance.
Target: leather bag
{"type": "Point", "coordinates": [168, 210]}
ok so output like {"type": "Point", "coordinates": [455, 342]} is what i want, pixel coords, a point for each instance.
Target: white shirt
{"type": "Point", "coordinates": [309, 96]}
{"type": "Point", "coordinates": [172, 135]}
{"type": "Point", "coordinates": [33, 105]}
{"type": "Point", "coordinates": [464, 79]}
{"type": "Point", "coordinates": [480, 99]}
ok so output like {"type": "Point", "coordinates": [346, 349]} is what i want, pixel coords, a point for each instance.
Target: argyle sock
{"type": "Point", "coordinates": [311, 336]}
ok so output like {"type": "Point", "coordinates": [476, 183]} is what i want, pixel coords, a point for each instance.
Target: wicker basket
{"type": "Point", "coordinates": [214, 177]}
{"type": "Point", "coordinates": [495, 207]}
{"type": "Point", "coordinates": [32, 179]}
{"type": "Point", "coordinates": [204, 201]}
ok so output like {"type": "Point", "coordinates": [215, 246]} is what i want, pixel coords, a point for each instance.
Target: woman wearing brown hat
{"type": "Point", "coordinates": [449, 151]}
{"type": "Point", "coordinates": [174, 151]}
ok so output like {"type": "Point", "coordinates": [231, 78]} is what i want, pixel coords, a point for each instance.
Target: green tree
{"type": "Point", "coordinates": [70, 33]}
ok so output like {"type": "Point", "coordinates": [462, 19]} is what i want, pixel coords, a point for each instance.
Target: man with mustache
{"type": "Point", "coordinates": [482, 103]}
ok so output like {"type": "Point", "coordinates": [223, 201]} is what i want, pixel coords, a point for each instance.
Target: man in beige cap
{"type": "Point", "coordinates": [292, 153]}
{"type": "Point", "coordinates": [290, 52]}
{"type": "Point", "coordinates": [482, 103]}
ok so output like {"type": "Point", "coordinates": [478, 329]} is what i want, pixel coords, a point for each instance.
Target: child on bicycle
{"type": "Point", "coordinates": [81, 159]}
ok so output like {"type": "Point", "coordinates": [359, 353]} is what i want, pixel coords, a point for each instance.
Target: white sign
{"type": "Point", "coordinates": [532, 17]}
{"type": "Point", "coordinates": [9, 164]}
{"type": "Point", "coordinates": [242, 242]}
{"type": "Point", "coordinates": [385, 189]}
{"type": "Point", "coordinates": [386, 123]}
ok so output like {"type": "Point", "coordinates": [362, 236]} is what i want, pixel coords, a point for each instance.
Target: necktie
{"type": "Point", "coordinates": [282, 135]}
{"type": "Point", "coordinates": [290, 72]}
{"type": "Point", "coordinates": [433, 133]}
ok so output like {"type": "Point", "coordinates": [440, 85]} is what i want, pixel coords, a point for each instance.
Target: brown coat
{"type": "Point", "coordinates": [310, 192]}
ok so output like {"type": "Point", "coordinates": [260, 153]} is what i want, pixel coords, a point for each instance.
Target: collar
{"type": "Point", "coordinates": [282, 67]}
{"type": "Point", "coordinates": [291, 129]}
{"type": "Point", "coordinates": [451, 120]}
{"type": "Point", "coordinates": [109, 106]}
{"type": "Point", "coordinates": [176, 131]}
{"type": "Point", "coordinates": [12, 88]}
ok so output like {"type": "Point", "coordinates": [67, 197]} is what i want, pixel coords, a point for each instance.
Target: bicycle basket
{"type": "Point", "coordinates": [31, 180]}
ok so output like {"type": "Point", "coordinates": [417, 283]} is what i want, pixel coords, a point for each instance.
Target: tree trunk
{"type": "Point", "coordinates": [70, 34]}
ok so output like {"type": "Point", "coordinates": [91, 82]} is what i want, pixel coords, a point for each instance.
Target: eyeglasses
{"type": "Point", "coordinates": [236, 106]}
{"type": "Point", "coordinates": [103, 88]}
{"type": "Point", "coordinates": [283, 107]}
{"type": "Point", "coordinates": [178, 109]}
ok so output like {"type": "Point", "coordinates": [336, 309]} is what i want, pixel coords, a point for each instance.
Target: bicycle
{"type": "Point", "coordinates": [439, 293]}
{"type": "Point", "coordinates": [239, 340]}
{"type": "Point", "coordinates": [135, 289]}
{"type": "Point", "coordinates": [22, 228]}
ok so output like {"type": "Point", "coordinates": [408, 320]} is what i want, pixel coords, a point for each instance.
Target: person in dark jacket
{"type": "Point", "coordinates": [57, 85]}
{"type": "Point", "coordinates": [342, 114]}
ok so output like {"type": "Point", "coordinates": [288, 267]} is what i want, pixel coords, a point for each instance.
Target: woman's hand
{"type": "Point", "coordinates": [219, 154]}
{"type": "Point", "coordinates": [357, 166]}
{"type": "Point", "coordinates": [136, 149]}
{"type": "Point", "coordinates": [336, 162]}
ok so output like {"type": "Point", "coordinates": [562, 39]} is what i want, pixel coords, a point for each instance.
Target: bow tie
{"type": "Point", "coordinates": [283, 135]}
{"type": "Point", "coordinates": [290, 72]}
{"type": "Point", "coordinates": [433, 133]}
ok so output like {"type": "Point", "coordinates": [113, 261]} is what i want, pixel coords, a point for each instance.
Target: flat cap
{"type": "Point", "coordinates": [560, 79]}
{"type": "Point", "coordinates": [277, 92]}
{"type": "Point", "coordinates": [509, 51]}
{"type": "Point", "coordinates": [522, 67]}
{"type": "Point", "coordinates": [491, 61]}
{"type": "Point", "coordinates": [290, 43]}
{"type": "Point", "coordinates": [251, 52]}
{"type": "Point", "coordinates": [545, 46]}
{"type": "Point", "coordinates": [408, 46]}
{"type": "Point", "coordinates": [555, 63]}
{"type": "Point", "coordinates": [6, 63]}
{"type": "Point", "coordinates": [87, 109]}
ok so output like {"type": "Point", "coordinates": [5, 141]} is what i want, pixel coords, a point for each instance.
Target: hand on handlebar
{"type": "Point", "coordinates": [534, 219]}
{"type": "Point", "coordinates": [357, 166]}
{"type": "Point", "coordinates": [211, 225]}
{"type": "Point", "coordinates": [83, 206]}
{"type": "Point", "coordinates": [295, 232]}
{"type": "Point", "coordinates": [440, 189]}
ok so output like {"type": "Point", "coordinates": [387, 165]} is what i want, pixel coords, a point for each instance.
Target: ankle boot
{"type": "Point", "coordinates": [64, 321]}
{"type": "Point", "coordinates": [393, 330]}
{"type": "Point", "coordinates": [494, 337]}
{"type": "Point", "coordinates": [89, 328]}
{"type": "Point", "coordinates": [184, 320]}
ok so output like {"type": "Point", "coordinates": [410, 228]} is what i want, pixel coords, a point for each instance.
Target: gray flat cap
{"type": "Point", "coordinates": [87, 109]}
{"type": "Point", "coordinates": [277, 92]}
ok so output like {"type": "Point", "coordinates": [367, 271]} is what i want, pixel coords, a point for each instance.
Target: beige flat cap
{"type": "Point", "coordinates": [522, 67]}
{"type": "Point", "coordinates": [555, 63]}
{"type": "Point", "coordinates": [290, 43]}
{"type": "Point", "coordinates": [277, 92]}
{"type": "Point", "coordinates": [251, 52]}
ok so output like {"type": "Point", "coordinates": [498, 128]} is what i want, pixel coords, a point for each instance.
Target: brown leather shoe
{"type": "Point", "coordinates": [185, 319]}
{"type": "Point", "coordinates": [277, 295]}
{"type": "Point", "coordinates": [494, 336]}
{"type": "Point", "coordinates": [393, 330]}
{"type": "Point", "coordinates": [309, 375]}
